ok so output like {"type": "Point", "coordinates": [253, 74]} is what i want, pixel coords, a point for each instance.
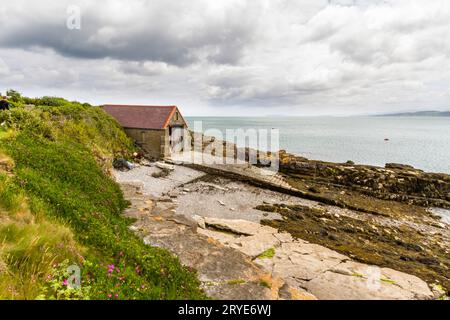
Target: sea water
{"type": "Point", "coordinates": [423, 142]}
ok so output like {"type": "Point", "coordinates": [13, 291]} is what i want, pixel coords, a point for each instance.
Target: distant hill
{"type": "Point", "coordinates": [418, 114]}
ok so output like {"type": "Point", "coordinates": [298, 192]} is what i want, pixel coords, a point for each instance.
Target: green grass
{"type": "Point", "coordinates": [59, 206]}
{"type": "Point", "coordinates": [388, 281]}
{"type": "Point", "coordinates": [29, 243]}
{"type": "Point", "coordinates": [236, 282]}
{"type": "Point", "coordinates": [268, 254]}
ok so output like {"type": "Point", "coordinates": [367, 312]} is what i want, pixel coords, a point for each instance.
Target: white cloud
{"type": "Point", "coordinates": [4, 69]}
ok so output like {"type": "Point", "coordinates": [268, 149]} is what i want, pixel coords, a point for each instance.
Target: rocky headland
{"type": "Point", "coordinates": [396, 182]}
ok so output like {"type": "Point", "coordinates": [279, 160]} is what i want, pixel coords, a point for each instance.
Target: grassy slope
{"type": "Point", "coordinates": [58, 207]}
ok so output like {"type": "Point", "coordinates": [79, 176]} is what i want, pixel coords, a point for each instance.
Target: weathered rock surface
{"type": "Point", "coordinates": [165, 166]}
{"type": "Point", "coordinates": [394, 182]}
{"type": "Point", "coordinates": [240, 259]}
{"type": "Point", "coordinates": [238, 226]}
{"type": "Point", "coordinates": [157, 187]}
{"type": "Point", "coordinates": [322, 272]}
{"type": "Point", "coordinates": [352, 280]}
{"type": "Point", "coordinates": [225, 273]}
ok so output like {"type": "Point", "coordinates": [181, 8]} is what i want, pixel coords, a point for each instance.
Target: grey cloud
{"type": "Point", "coordinates": [229, 55]}
{"type": "Point", "coordinates": [152, 33]}
{"type": "Point", "coordinates": [397, 32]}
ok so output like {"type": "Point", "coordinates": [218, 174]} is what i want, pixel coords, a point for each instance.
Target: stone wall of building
{"type": "Point", "coordinates": [153, 142]}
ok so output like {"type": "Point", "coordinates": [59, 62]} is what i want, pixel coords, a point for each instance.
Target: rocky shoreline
{"type": "Point", "coordinates": [321, 217]}
{"type": "Point", "coordinates": [393, 182]}
{"type": "Point", "coordinates": [397, 182]}
{"type": "Point", "coordinates": [394, 225]}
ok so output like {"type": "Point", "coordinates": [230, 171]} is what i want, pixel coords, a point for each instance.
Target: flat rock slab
{"type": "Point", "coordinates": [238, 226]}
{"type": "Point", "coordinates": [255, 245]}
{"type": "Point", "coordinates": [226, 252]}
{"type": "Point", "coordinates": [368, 286]}
{"type": "Point", "coordinates": [322, 272]}
{"type": "Point", "coordinates": [156, 187]}
{"type": "Point", "coordinates": [379, 283]}
{"type": "Point", "coordinates": [225, 273]}
{"type": "Point", "coordinates": [252, 246]}
{"type": "Point", "coordinates": [226, 199]}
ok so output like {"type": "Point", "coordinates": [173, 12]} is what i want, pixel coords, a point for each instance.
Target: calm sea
{"type": "Point", "coordinates": [423, 142]}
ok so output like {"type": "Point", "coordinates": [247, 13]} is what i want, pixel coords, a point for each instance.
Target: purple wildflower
{"type": "Point", "coordinates": [110, 268]}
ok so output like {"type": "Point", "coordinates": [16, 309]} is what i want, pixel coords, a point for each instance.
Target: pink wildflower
{"type": "Point", "coordinates": [65, 282]}
{"type": "Point", "coordinates": [110, 268]}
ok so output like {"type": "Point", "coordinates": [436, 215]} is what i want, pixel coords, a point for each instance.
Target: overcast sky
{"type": "Point", "coordinates": [233, 57]}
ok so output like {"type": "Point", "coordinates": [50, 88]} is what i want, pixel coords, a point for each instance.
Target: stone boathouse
{"type": "Point", "coordinates": [152, 127]}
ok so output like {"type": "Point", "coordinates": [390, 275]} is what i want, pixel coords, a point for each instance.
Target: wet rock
{"type": "Point", "coordinates": [398, 166]}
{"type": "Point", "coordinates": [122, 164]}
{"type": "Point", "coordinates": [313, 190]}
{"type": "Point", "coordinates": [283, 237]}
{"type": "Point", "coordinates": [397, 182]}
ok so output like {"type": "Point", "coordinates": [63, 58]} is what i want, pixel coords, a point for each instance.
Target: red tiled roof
{"type": "Point", "coordinates": [141, 117]}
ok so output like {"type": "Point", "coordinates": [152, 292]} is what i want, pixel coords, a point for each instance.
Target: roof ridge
{"type": "Point", "coordinates": [138, 105]}
{"type": "Point", "coordinates": [141, 116]}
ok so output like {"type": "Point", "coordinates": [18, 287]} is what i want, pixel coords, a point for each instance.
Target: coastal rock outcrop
{"type": "Point", "coordinates": [320, 271]}
{"type": "Point", "coordinates": [394, 182]}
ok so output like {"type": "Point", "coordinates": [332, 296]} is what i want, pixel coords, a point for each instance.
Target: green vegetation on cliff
{"type": "Point", "coordinates": [59, 207]}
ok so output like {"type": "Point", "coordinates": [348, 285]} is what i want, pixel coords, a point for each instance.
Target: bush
{"type": "Point", "coordinates": [14, 96]}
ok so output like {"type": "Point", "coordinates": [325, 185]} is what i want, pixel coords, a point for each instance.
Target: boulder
{"type": "Point", "coordinates": [165, 166]}
{"type": "Point", "coordinates": [122, 164]}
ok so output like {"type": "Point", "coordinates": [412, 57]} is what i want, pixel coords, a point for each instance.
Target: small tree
{"type": "Point", "coordinates": [14, 95]}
